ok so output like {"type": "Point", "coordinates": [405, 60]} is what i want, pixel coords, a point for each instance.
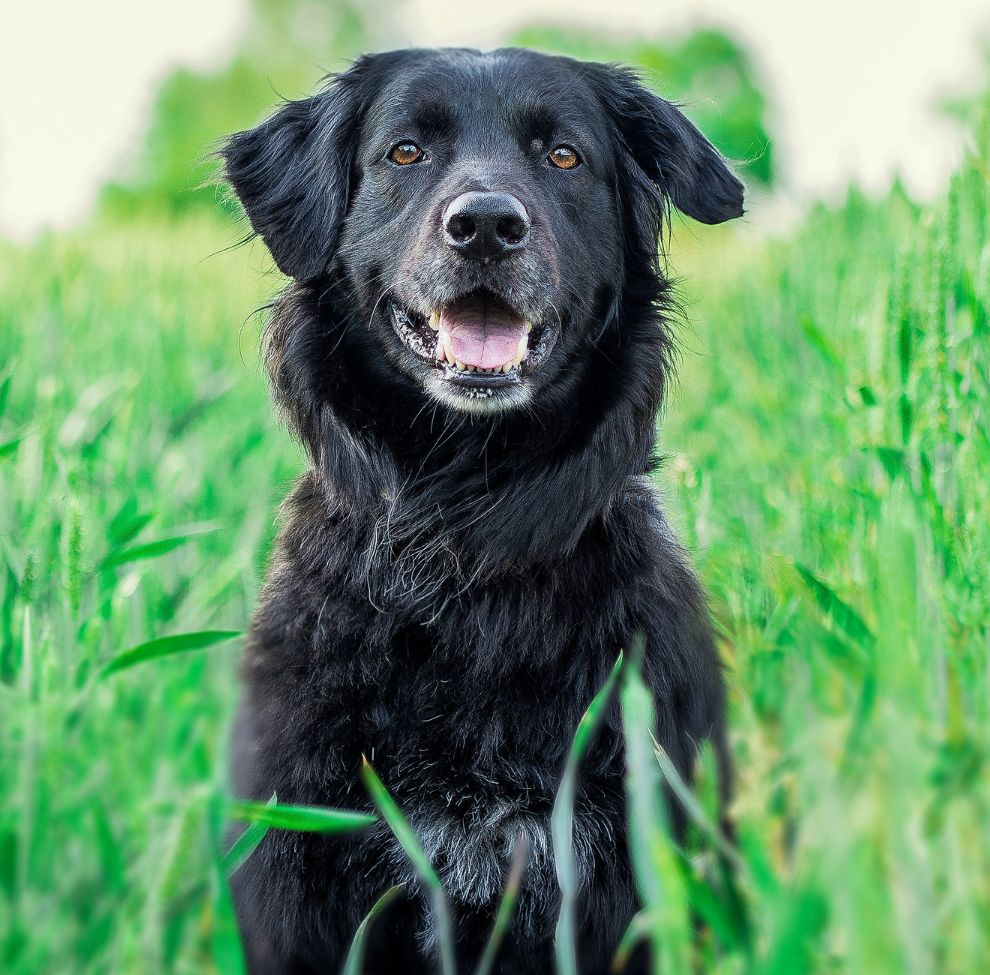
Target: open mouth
{"type": "Point", "coordinates": [477, 342]}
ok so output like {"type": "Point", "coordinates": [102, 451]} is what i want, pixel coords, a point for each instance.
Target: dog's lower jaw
{"type": "Point", "coordinates": [483, 401]}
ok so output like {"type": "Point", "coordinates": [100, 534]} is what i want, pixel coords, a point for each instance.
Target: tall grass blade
{"type": "Point", "coordinates": [6, 449]}
{"type": "Point", "coordinates": [562, 825]}
{"type": "Point", "coordinates": [693, 808]}
{"type": "Point", "coordinates": [844, 616]}
{"type": "Point", "coordinates": [725, 915]}
{"type": "Point", "coordinates": [354, 964]}
{"type": "Point", "coordinates": [225, 943]}
{"type": "Point", "coordinates": [506, 907]}
{"type": "Point", "coordinates": [409, 842]}
{"type": "Point", "coordinates": [892, 459]}
{"type": "Point", "coordinates": [246, 843]}
{"type": "Point", "coordinates": [817, 338]}
{"type": "Point", "coordinates": [167, 646]}
{"type": "Point", "coordinates": [5, 386]}
{"type": "Point", "coordinates": [127, 523]}
{"type": "Point", "coordinates": [638, 930]}
{"type": "Point", "coordinates": [654, 856]}
{"type": "Point", "coordinates": [150, 550]}
{"type": "Point", "coordinates": [305, 819]}
{"type": "Point", "coordinates": [232, 861]}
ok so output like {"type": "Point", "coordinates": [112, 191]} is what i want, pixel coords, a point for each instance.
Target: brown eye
{"type": "Point", "coordinates": [564, 157]}
{"type": "Point", "coordinates": [405, 153]}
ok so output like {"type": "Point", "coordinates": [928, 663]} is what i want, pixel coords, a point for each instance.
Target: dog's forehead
{"type": "Point", "coordinates": [509, 89]}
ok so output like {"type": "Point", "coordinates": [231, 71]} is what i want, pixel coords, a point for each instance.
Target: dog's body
{"type": "Point", "coordinates": [475, 540]}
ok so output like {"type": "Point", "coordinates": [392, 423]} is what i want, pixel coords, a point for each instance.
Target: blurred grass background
{"type": "Point", "coordinates": [827, 463]}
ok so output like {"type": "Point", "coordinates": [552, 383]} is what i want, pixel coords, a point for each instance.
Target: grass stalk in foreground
{"type": "Point", "coordinates": [225, 942]}
{"type": "Point", "coordinates": [409, 842]}
{"type": "Point", "coordinates": [167, 646]}
{"type": "Point", "coordinates": [247, 843]}
{"type": "Point", "coordinates": [314, 819]}
{"type": "Point", "coordinates": [562, 825]}
{"type": "Point", "coordinates": [654, 856]}
{"type": "Point", "coordinates": [506, 907]}
{"type": "Point", "coordinates": [354, 964]}
{"type": "Point", "coordinates": [693, 807]}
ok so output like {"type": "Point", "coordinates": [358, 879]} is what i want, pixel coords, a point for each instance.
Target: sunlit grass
{"type": "Point", "coordinates": [827, 464]}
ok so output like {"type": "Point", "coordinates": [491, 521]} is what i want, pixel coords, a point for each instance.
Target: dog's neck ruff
{"type": "Point", "coordinates": [500, 489]}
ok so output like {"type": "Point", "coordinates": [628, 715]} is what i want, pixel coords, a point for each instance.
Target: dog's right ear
{"type": "Point", "coordinates": [292, 172]}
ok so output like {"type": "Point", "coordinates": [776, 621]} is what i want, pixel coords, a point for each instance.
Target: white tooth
{"type": "Point", "coordinates": [460, 366]}
{"type": "Point", "coordinates": [435, 321]}
{"type": "Point", "coordinates": [507, 367]}
{"type": "Point", "coordinates": [529, 327]}
{"type": "Point", "coordinates": [521, 350]}
{"type": "Point", "coordinates": [447, 352]}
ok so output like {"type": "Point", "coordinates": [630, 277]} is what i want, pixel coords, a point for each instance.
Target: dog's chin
{"type": "Point", "coordinates": [476, 354]}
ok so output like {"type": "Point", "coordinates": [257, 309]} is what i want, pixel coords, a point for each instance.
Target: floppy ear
{"type": "Point", "coordinates": [292, 173]}
{"type": "Point", "coordinates": [669, 149]}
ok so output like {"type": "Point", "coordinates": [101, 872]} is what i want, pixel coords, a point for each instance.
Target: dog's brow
{"type": "Point", "coordinates": [433, 118]}
{"type": "Point", "coordinates": [533, 118]}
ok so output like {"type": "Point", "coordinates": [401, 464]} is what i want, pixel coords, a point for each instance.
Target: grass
{"type": "Point", "coordinates": [827, 457]}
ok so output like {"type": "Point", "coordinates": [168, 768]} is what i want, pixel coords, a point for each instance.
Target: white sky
{"type": "Point", "coordinates": [853, 80]}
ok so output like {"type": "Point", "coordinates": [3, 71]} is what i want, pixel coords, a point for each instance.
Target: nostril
{"type": "Point", "coordinates": [461, 227]}
{"type": "Point", "coordinates": [512, 230]}
{"type": "Point", "coordinates": [485, 225]}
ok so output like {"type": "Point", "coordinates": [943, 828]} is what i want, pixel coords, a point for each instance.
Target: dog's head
{"type": "Point", "coordinates": [485, 214]}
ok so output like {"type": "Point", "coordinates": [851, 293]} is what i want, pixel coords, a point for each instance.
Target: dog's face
{"type": "Point", "coordinates": [483, 214]}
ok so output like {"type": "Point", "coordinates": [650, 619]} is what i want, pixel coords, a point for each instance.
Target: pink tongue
{"type": "Point", "coordinates": [483, 348]}
{"type": "Point", "coordinates": [485, 339]}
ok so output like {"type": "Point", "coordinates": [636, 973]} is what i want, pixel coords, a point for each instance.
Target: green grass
{"type": "Point", "coordinates": [828, 457]}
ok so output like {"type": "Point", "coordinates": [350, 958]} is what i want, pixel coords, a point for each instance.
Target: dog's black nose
{"type": "Point", "coordinates": [486, 226]}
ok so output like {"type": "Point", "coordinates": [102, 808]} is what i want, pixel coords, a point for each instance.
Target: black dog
{"type": "Point", "coordinates": [473, 351]}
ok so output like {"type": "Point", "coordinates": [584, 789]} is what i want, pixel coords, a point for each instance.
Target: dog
{"type": "Point", "coordinates": [473, 349]}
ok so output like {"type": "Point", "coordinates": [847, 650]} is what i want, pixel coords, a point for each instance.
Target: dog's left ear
{"type": "Point", "coordinates": [675, 156]}
{"type": "Point", "coordinates": [292, 172]}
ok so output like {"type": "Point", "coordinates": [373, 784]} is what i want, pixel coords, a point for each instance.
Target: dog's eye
{"type": "Point", "coordinates": [564, 157]}
{"type": "Point", "coordinates": [405, 153]}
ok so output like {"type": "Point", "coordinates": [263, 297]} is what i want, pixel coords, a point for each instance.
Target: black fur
{"type": "Point", "coordinates": [453, 582]}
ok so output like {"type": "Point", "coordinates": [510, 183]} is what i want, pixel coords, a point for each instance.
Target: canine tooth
{"type": "Point", "coordinates": [529, 327]}
{"type": "Point", "coordinates": [435, 321]}
{"type": "Point", "coordinates": [521, 350]}
{"type": "Point", "coordinates": [447, 351]}
{"type": "Point", "coordinates": [507, 367]}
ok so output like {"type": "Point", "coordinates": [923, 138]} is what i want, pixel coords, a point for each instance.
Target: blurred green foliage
{"type": "Point", "coordinates": [710, 75]}
{"type": "Point", "coordinates": [288, 47]}
{"type": "Point", "coordinates": [829, 449]}
{"type": "Point", "coordinates": [291, 44]}
{"type": "Point", "coordinates": [129, 389]}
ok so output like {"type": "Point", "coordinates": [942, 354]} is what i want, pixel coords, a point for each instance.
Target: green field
{"type": "Point", "coordinates": [828, 464]}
